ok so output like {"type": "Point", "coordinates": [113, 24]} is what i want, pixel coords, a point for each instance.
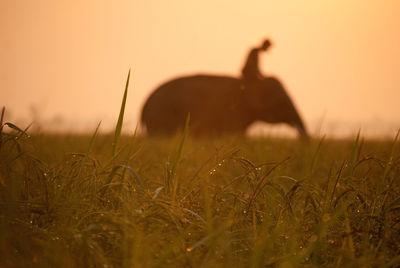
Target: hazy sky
{"type": "Point", "coordinates": [339, 59]}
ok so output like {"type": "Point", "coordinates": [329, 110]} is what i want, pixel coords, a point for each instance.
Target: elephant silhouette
{"type": "Point", "coordinates": [217, 105]}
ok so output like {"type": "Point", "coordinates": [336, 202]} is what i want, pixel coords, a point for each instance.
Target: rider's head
{"type": "Point", "coordinates": [266, 44]}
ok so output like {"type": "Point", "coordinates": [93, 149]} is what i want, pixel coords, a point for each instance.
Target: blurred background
{"type": "Point", "coordinates": [64, 63]}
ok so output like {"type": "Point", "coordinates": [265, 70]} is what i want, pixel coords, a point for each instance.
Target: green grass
{"type": "Point", "coordinates": [132, 201]}
{"type": "Point", "coordinates": [230, 201]}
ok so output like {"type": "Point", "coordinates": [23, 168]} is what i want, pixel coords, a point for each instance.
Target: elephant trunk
{"type": "Point", "coordinates": [295, 120]}
{"type": "Point", "coordinates": [301, 130]}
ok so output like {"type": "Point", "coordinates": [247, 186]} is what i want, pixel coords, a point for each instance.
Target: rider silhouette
{"type": "Point", "coordinates": [251, 72]}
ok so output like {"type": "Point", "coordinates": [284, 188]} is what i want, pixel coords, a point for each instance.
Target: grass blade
{"type": "Point", "coordinates": [92, 139]}
{"type": "Point", "coordinates": [134, 175]}
{"type": "Point", "coordinates": [14, 127]}
{"type": "Point", "coordinates": [389, 162]}
{"type": "Point", "coordinates": [89, 149]}
{"type": "Point", "coordinates": [178, 157]}
{"type": "Point", "coordinates": [118, 128]}
{"type": "Point", "coordinates": [354, 155]}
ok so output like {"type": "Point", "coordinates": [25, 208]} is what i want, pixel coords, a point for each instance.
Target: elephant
{"type": "Point", "coordinates": [218, 105]}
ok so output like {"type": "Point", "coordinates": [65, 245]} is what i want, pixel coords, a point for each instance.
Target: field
{"type": "Point", "coordinates": [181, 201]}
{"type": "Point", "coordinates": [185, 201]}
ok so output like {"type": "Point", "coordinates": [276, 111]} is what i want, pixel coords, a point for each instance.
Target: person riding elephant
{"type": "Point", "coordinates": [221, 104]}
{"type": "Point", "coordinates": [251, 71]}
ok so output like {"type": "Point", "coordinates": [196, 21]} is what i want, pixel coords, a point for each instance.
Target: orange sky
{"type": "Point", "coordinates": [69, 59]}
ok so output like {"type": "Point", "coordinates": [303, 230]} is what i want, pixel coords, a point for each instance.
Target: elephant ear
{"type": "Point", "coordinates": [276, 92]}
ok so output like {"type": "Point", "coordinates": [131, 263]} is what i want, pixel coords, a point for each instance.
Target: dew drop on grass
{"type": "Point", "coordinates": [139, 211]}
{"type": "Point", "coordinates": [326, 217]}
{"type": "Point", "coordinates": [313, 238]}
{"type": "Point", "coordinates": [78, 236]}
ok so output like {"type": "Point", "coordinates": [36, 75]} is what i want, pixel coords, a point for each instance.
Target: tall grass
{"type": "Point", "coordinates": [230, 201]}
{"type": "Point", "coordinates": [118, 127]}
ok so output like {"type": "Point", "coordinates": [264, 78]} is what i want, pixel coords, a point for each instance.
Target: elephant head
{"type": "Point", "coordinates": [269, 102]}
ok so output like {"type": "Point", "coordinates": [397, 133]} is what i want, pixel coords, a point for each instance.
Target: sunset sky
{"type": "Point", "coordinates": [65, 62]}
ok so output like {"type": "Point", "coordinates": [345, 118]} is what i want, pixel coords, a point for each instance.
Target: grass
{"type": "Point", "coordinates": [230, 201]}
{"type": "Point", "coordinates": [180, 201]}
